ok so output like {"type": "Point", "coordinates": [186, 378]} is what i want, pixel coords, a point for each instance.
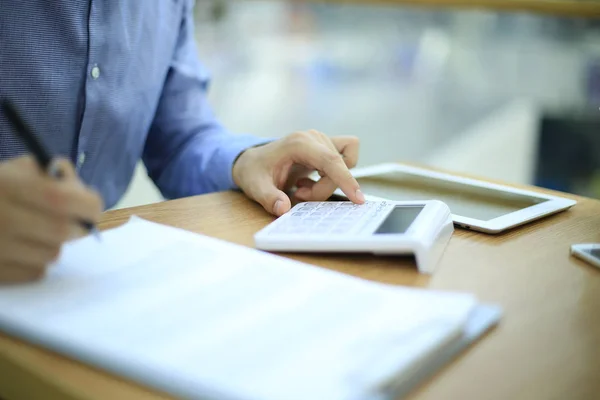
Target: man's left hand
{"type": "Point", "coordinates": [265, 172]}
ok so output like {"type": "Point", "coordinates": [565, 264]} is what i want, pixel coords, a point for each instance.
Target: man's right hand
{"type": "Point", "coordinates": [37, 215]}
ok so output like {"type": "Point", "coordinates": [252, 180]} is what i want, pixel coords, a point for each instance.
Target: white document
{"type": "Point", "coordinates": [201, 318]}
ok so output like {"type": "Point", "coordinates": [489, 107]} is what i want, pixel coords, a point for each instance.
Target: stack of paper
{"type": "Point", "coordinates": [201, 318]}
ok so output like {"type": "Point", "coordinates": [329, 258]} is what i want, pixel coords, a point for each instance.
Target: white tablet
{"type": "Point", "coordinates": [421, 229]}
{"type": "Point", "coordinates": [475, 204]}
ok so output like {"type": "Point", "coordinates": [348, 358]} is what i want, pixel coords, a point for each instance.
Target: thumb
{"type": "Point", "coordinates": [269, 196]}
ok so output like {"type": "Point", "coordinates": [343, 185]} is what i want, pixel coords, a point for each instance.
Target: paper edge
{"type": "Point", "coordinates": [484, 318]}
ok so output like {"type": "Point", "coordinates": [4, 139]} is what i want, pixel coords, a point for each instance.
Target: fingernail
{"type": "Point", "coordinates": [360, 196]}
{"type": "Point", "coordinates": [277, 207]}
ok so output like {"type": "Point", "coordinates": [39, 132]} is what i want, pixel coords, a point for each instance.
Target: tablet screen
{"type": "Point", "coordinates": [399, 220]}
{"type": "Point", "coordinates": [464, 200]}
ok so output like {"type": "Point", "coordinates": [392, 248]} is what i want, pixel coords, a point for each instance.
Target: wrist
{"type": "Point", "coordinates": [238, 167]}
{"type": "Point", "coordinates": [241, 162]}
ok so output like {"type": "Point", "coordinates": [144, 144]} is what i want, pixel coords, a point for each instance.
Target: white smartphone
{"type": "Point", "coordinates": [475, 204]}
{"type": "Point", "coordinates": [589, 252]}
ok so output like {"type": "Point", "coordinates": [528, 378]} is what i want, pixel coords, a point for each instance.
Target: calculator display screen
{"type": "Point", "coordinates": [595, 253]}
{"type": "Point", "coordinates": [399, 220]}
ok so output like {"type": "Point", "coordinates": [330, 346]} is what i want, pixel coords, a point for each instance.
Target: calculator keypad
{"type": "Point", "coordinates": [328, 217]}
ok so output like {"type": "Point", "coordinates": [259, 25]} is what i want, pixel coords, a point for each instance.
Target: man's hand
{"type": "Point", "coordinates": [37, 215]}
{"type": "Point", "coordinates": [265, 172]}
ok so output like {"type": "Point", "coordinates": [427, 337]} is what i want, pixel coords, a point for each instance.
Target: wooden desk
{"type": "Point", "coordinates": [547, 346]}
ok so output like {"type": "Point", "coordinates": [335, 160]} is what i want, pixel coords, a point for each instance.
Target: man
{"type": "Point", "coordinates": [107, 82]}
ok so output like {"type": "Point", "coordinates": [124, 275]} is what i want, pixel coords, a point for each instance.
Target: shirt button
{"type": "Point", "coordinates": [81, 159]}
{"type": "Point", "coordinates": [95, 72]}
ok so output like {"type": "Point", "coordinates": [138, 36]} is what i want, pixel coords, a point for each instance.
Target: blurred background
{"type": "Point", "coordinates": [508, 95]}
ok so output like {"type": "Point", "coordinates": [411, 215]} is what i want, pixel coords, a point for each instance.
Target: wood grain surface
{"type": "Point", "coordinates": [546, 347]}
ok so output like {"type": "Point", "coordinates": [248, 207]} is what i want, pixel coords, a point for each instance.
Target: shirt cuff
{"type": "Point", "coordinates": [231, 152]}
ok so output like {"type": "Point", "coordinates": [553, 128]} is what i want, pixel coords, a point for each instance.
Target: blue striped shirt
{"type": "Point", "coordinates": [109, 82]}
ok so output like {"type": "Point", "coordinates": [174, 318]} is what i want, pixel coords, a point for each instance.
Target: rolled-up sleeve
{"type": "Point", "coordinates": [188, 151]}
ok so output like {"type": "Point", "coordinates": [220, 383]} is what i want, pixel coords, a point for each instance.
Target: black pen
{"type": "Point", "coordinates": [41, 155]}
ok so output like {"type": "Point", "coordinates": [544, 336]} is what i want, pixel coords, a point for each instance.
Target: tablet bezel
{"type": "Point", "coordinates": [552, 205]}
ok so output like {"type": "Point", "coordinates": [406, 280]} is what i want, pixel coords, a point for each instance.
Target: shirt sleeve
{"type": "Point", "coordinates": [187, 151]}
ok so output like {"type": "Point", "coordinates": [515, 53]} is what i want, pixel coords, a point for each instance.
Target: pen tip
{"type": "Point", "coordinates": [96, 233]}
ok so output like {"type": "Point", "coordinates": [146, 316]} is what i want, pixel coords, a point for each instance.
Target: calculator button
{"type": "Point", "coordinates": [377, 212]}
{"type": "Point", "coordinates": [311, 218]}
{"type": "Point", "coordinates": [339, 212]}
{"type": "Point", "coordinates": [329, 205]}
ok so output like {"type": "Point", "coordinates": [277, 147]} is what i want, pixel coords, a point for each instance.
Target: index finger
{"type": "Point", "coordinates": [63, 198]}
{"type": "Point", "coordinates": [320, 157]}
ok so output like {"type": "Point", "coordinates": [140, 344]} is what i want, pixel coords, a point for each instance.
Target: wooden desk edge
{"type": "Point", "coordinates": [566, 8]}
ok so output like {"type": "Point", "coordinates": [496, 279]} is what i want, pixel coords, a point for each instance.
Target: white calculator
{"type": "Point", "coordinates": [418, 228]}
